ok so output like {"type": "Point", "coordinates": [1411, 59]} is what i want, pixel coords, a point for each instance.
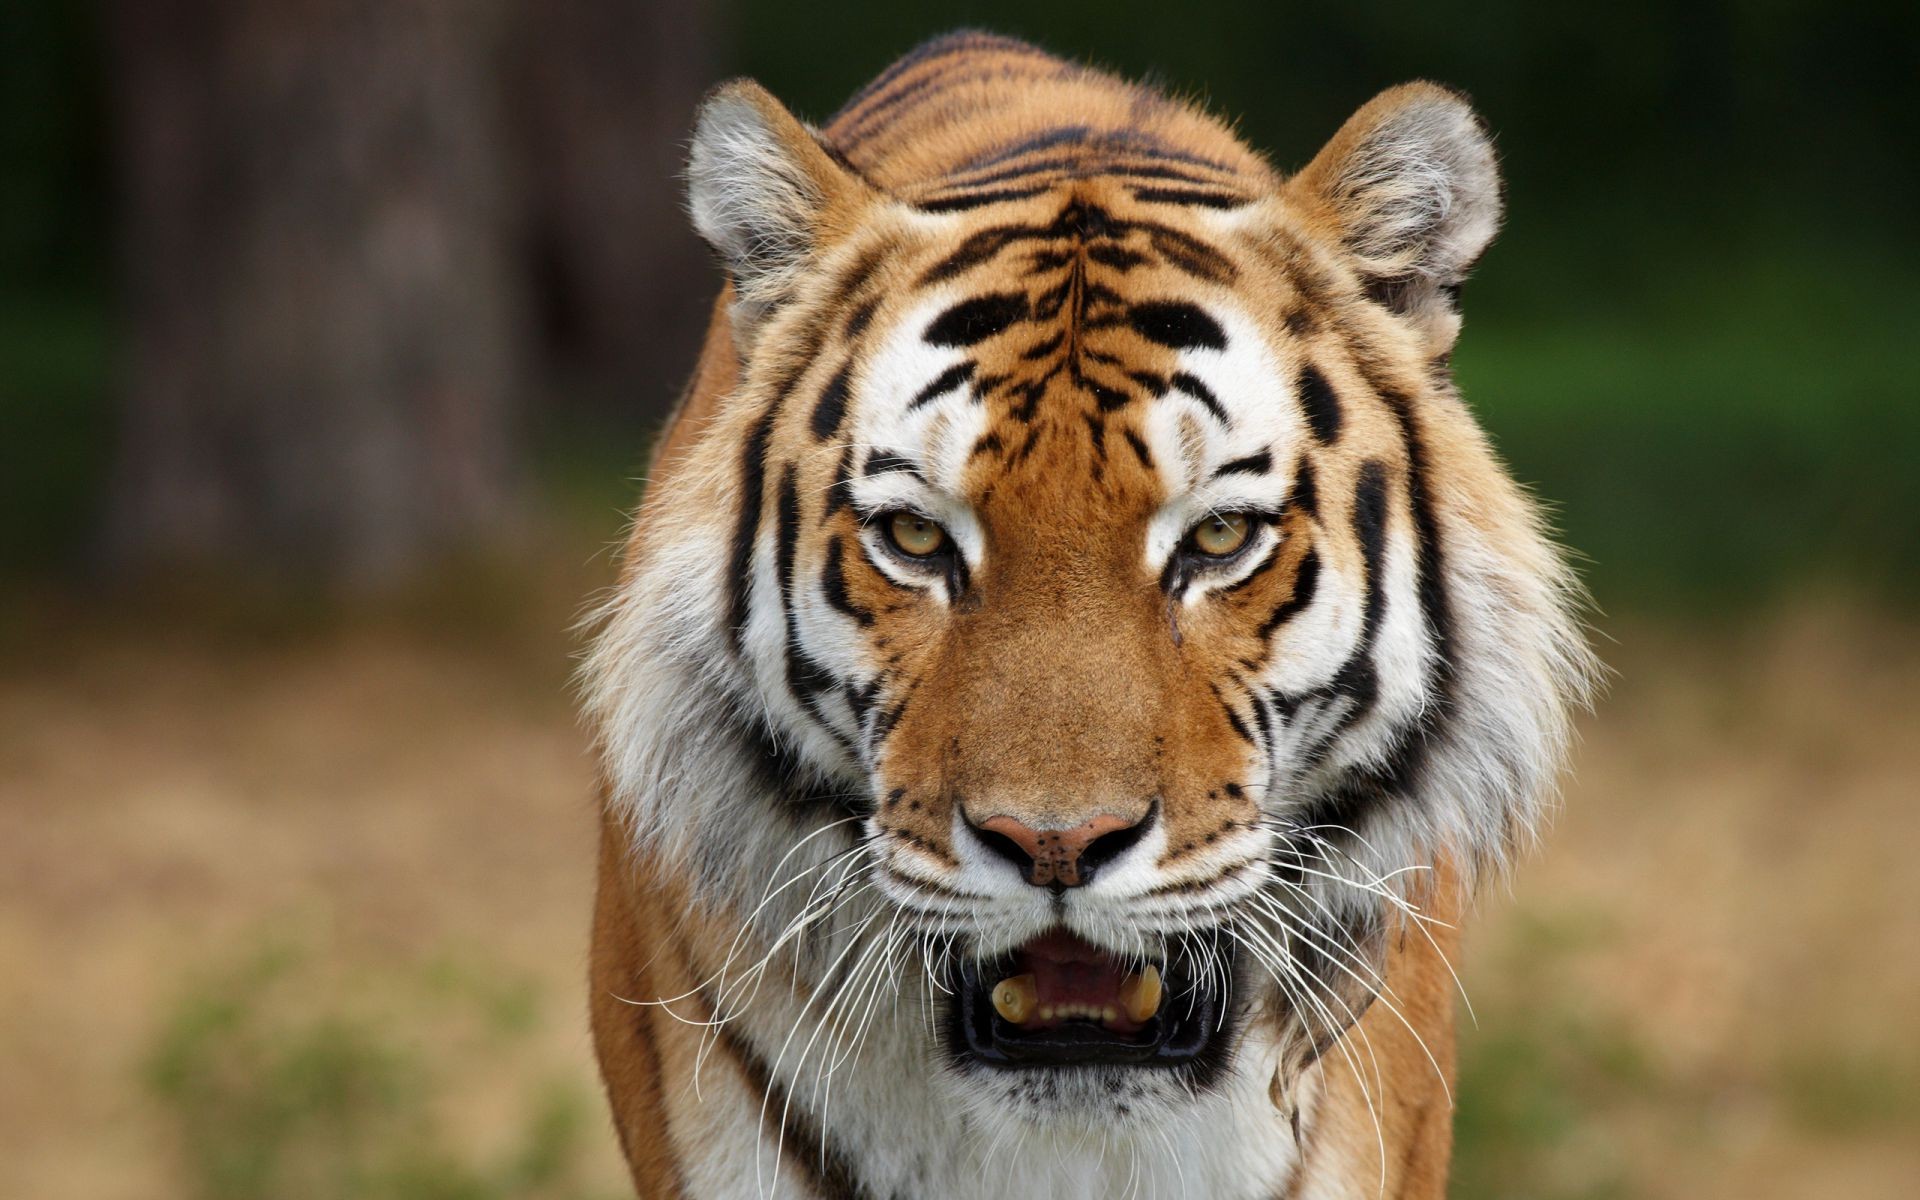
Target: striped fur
{"type": "Point", "coordinates": [1066, 318]}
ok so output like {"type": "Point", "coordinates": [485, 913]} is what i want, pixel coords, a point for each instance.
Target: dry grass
{"type": "Point", "coordinates": [1706, 985]}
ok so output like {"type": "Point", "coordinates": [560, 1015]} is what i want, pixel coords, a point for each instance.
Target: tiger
{"type": "Point", "coordinates": [1075, 659]}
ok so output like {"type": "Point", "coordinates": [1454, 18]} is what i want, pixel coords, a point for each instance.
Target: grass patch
{"type": "Point", "coordinates": [1540, 1076]}
{"type": "Point", "coordinates": [268, 1094]}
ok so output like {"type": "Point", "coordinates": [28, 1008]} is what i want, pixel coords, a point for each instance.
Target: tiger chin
{"type": "Point", "coordinates": [1076, 657]}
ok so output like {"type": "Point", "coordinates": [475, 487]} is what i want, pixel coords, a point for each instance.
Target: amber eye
{"type": "Point", "coordinates": [1221, 534]}
{"type": "Point", "coordinates": [914, 535]}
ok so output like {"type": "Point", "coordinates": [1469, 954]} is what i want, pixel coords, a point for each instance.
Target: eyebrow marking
{"type": "Point", "coordinates": [1189, 386]}
{"type": "Point", "coordinates": [943, 383]}
{"type": "Point", "coordinates": [883, 462]}
{"type": "Point", "coordinates": [1258, 463]}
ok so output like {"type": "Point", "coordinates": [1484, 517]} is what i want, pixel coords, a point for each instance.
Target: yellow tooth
{"type": "Point", "coordinates": [1140, 994]}
{"type": "Point", "coordinates": [1014, 998]}
{"type": "Point", "coordinates": [1109, 1014]}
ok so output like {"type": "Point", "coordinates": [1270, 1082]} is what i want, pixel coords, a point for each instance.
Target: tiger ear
{"type": "Point", "coordinates": [1413, 191]}
{"type": "Point", "coordinates": [763, 192]}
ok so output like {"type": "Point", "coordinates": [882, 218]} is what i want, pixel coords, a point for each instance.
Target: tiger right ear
{"type": "Point", "coordinates": [764, 193]}
{"type": "Point", "coordinates": [1413, 192]}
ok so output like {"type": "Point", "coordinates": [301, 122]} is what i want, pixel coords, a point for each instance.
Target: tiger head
{"type": "Point", "coordinates": [1088, 573]}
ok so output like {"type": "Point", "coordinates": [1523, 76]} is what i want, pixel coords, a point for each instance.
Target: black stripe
{"type": "Point", "coordinates": [1156, 385]}
{"type": "Point", "coordinates": [1176, 324]}
{"type": "Point", "coordinates": [882, 461]}
{"type": "Point", "coordinates": [1189, 196]}
{"type": "Point", "coordinates": [1042, 348]}
{"type": "Point", "coordinates": [840, 494]}
{"type": "Point", "coordinates": [972, 321]}
{"type": "Point", "coordinates": [1400, 772]}
{"type": "Point", "coordinates": [1117, 258]}
{"type": "Point", "coordinates": [1258, 463]}
{"type": "Point", "coordinates": [947, 204]}
{"type": "Point", "coordinates": [1261, 718]}
{"type": "Point", "coordinates": [1322, 405]}
{"type": "Point", "coordinates": [1370, 530]}
{"type": "Point", "coordinates": [1190, 254]}
{"type": "Point", "coordinates": [1233, 718]}
{"type": "Point", "coordinates": [1306, 581]}
{"type": "Point", "coordinates": [1046, 139]}
{"type": "Point", "coordinates": [860, 318]}
{"type": "Point", "coordinates": [746, 527]}
{"type": "Point", "coordinates": [833, 583]}
{"type": "Point", "coordinates": [1139, 449]}
{"type": "Point", "coordinates": [1304, 496]}
{"type": "Point", "coordinates": [978, 248]}
{"type": "Point", "coordinates": [1259, 569]}
{"type": "Point", "coordinates": [832, 407]}
{"type": "Point", "coordinates": [806, 677]}
{"type": "Point", "coordinates": [1192, 387]}
{"type": "Point", "coordinates": [945, 382]}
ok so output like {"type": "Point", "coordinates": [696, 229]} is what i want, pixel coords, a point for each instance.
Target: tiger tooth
{"type": "Point", "coordinates": [1015, 998]}
{"type": "Point", "coordinates": [1140, 994]}
{"type": "Point", "coordinates": [1109, 1014]}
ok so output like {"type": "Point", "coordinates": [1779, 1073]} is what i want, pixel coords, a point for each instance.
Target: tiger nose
{"type": "Point", "coordinates": [1062, 858]}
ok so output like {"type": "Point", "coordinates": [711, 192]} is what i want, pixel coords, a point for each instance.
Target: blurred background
{"type": "Point", "coordinates": [333, 336]}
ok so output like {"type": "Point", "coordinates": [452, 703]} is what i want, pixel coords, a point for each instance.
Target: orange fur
{"type": "Point", "coordinates": [1066, 686]}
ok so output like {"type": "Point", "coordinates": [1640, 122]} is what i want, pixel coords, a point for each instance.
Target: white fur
{"type": "Point", "coordinates": [665, 692]}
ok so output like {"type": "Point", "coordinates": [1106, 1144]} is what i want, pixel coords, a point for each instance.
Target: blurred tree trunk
{"type": "Point", "coordinates": [608, 91]}
{"type": "Point", "coordinates": [326, 318]}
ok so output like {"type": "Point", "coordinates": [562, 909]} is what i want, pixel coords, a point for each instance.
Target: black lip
{"type": "Point", "coordinates": [1194, 1028]}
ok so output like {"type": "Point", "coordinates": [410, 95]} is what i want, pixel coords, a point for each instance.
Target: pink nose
{"type": "Point", "coordinates": [1060, 858]}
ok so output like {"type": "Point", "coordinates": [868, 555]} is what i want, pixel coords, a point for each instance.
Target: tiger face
{"type": "Point", "coordinates": [1116, 599]}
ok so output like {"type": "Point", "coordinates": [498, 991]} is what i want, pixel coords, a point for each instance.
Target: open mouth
{"type": "Point", "coordinates": [1059, 1001]}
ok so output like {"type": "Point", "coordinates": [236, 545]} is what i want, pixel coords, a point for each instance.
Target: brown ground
{"type": "Point", "coordinates": [1706, 986]}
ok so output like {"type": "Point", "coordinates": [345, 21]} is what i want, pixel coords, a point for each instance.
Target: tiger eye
{"type": "Point", "coordinates": [1221, 534]}
{"type": "Point", "coordinates": [914, 534]}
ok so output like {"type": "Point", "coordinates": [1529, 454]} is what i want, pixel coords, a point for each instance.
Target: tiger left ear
{"type": "Point", "coordinates": [1412, 189]}
{"type": "Point", "coordinates": [764, 193]}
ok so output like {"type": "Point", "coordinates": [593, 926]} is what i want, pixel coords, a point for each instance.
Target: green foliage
{"type": "Point", "coordinates": [1539, 1079]}
{"type": "Point", "coordinates": [272, 1096]}
{"type": "Point", "coordinates": [1690, 337]}
{"type": "Point", "coordinates": [1840, 1093]}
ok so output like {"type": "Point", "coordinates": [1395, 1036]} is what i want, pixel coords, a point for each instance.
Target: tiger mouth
{"type": "Point", "coordinates": [1060, 1001]}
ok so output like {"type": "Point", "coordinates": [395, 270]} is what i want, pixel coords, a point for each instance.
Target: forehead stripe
{"type": "Point", "coordinates": [943, 383]}
{"type": "Point", "coordinates": [1177, 325]}
{"type": "Point", "coordinates": [1191, 387]}
{"type": "Point", "coordinates": [1258, 463]}
{"type": "Point", "coordinates": [976, 320]}
{"type": "Point", "coordinates": [882, 461]}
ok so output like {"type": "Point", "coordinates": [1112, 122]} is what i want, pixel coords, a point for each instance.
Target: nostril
{"type": "Point", "coordinates": [1109, 846]}
{"type": "Point", "coordinates": [1061, 858]}
{"type": "Point", "coordinates": [1004, 846]}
